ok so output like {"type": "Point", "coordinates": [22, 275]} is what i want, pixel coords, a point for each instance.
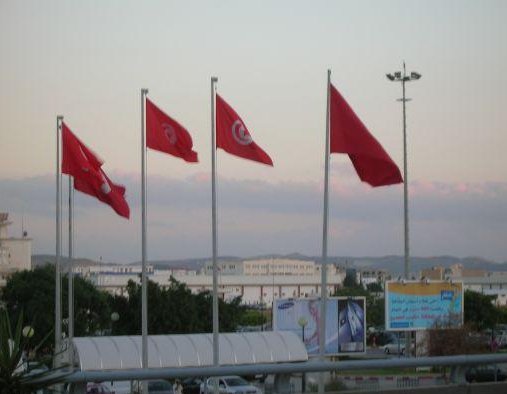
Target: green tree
{"type": "Point", "coordinates": [350, 281]}
{"type": "Point", "coordinates": [253, 317]}
{"type": "Point", "coordinates": [374, 287]}
{"type": "Point", "coordinates": [480, 312]}
{"type": "Point", "coordinates": [173, 310]}
{"type": "Point", "coordinates": [34, 293]}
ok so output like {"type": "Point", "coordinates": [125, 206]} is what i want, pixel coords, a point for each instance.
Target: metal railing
{"type": "Point", "coordinates": [457, 362]}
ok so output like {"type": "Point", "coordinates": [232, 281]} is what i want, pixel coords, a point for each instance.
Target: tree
{"type": "Point", "coordinates": [15, 346]}
{"type": "Point", "coordinates": [445, 341]}
{"type": "Point", "coordinates": [253, 317]}
{"type": "Point", "coordinates": [480, 312]}
{"type": "Point", "coordinates": [374, 287]}
{"type": "Point", "coordinates": [350, 280]}
{"type": "Point", "coordinates": [173, 310]}
{"type": "Point", "coordinates": [34, 292]}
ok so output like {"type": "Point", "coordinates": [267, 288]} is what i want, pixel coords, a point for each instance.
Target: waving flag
{"type": "Point", "coordinates": [233, 136]}
{"type": "Point", "coordinates": [84, 166]}
{"type": "Point", "coordinates": [349, 135]}
{"type": "Point", "coordinates": [166, 135]}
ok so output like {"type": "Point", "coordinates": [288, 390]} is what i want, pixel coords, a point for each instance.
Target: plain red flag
{"type": "Point", "coordinates": [166, 135]}
{"type": "Point", "coordinates": [349, 135]}
{"type": "Point", "coordinates": [233, 136]}
{"type": "Point", "coordinates": [84, 166]}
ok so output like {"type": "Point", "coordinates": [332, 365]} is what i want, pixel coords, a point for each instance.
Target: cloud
{"type": "Point", "coordinates": [256, 217]}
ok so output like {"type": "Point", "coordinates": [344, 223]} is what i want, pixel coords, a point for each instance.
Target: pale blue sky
{"type": "Point", "coordinates": [89, 60]}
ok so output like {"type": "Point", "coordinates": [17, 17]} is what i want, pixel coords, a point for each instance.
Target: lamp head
{"type": "Point", "coordinates": [390, 77]}
{"type": "Point", "coordinates": [414, 75]}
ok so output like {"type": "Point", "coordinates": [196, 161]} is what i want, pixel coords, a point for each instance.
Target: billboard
{"type": "Point", "coordinates": [419, 305]}
{"type": "Point", "coordinates": [345, 323]}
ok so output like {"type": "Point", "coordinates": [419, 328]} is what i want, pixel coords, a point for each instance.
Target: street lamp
{"type": "Point", "coordinates": [398, 76]}
{"type": "Point", "coordinates": [115, 316]}
{"type": "Point", "coordinates": [303, 321]}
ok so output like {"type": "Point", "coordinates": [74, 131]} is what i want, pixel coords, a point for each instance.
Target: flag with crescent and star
{"type": "Point", "coordinates": [349, 135]}
{"type": "Point", "coordinates": [85, 167]}
{"type": "Point", "coordinates": [234, 137]}
{"type": "Point", "coordinates": [165, 134]}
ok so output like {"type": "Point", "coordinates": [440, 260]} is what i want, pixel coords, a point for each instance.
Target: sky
{"type": "Point", "coordinates": [89, 60]}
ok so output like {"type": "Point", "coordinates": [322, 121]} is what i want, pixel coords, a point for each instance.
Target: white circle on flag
{"type": "Point", "coordinates": [170, 133]}
{"type": "Point", "coordinates": [105, 188]}
{"type": "Point", "coordinates": [240, 134]}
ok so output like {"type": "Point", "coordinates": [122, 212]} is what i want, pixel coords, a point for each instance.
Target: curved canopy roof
{"type": "Point", "coordinates": [194, 350]}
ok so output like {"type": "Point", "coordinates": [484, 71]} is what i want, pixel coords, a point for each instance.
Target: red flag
{"type": "Point", "coordinates": [233, 136]}
{"type": "Point", "coordinates": [81, 163]}
{"type": "Point", "coordinates": [349, 135]}
{"type": "Point", "coordinates": [166, 135]}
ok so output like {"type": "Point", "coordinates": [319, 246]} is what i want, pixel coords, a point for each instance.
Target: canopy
{"type": "Point", "coordinates": [194, 350]}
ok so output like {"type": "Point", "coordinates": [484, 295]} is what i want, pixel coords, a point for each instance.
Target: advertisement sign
{"type": "Point", "coordinates": [345, 322]}
{"type": "Point", "coordinates": [351, 325]}
{"type": "Point", "coordinates": [419, 305]}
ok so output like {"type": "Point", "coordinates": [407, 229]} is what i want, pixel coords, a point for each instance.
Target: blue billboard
{"type": "Point", "coordinates": [420, 305]}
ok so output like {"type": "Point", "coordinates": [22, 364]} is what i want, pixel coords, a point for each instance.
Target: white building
{"type": "Point", "coordinates": [15, 253]}
{"type": "Point", "coordinates": [253, 288]}
{"type": "Point", "coordinates": [494, 284]}
{"type": "Point", "coordinates": [263, 267]}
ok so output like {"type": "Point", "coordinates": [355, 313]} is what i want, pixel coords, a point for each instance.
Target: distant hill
{"type": "Point", "coordinates": [393, 264]}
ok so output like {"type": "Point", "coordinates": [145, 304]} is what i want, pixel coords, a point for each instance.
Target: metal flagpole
{"type": "Point", "coordinates": [144, 284]}
{"type": "Point", "coordinates": [58, 304]}
{"type": "Point", "coordinates": [216, 354]}
{"type": "Point", "coordinates": [71, 274]}
{"type": "Point", "coordinates": [323, 285]}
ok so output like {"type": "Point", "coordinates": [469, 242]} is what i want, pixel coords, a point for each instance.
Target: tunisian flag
{"type": "Point", "coordinates": [349, 135]}
{"type": "Point", "coordinates": [166, 135]}
{"type": "Point", "coordinates": [233, 136]}
{"type": "Point", "coordinates": [84, 165]}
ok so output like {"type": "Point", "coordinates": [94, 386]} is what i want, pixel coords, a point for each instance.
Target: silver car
{"type": "Point", "coordinates": [230, 385]}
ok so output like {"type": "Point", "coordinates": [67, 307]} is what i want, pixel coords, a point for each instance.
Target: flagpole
{"type": "Point", "coordinates": [58, 305]}
{"type": "Point", "coordinates": [323, 286]}
{"type": "Point", "coordinates": [71, 274]}
{"type": "Point", "coordinates": [144, 296]}
{"type": "Point", "coordinates": [216, 354]}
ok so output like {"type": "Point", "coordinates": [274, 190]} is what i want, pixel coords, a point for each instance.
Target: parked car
{"type": "Point", "coordinates": [485, 373]}
{"type": "Point", "coordinates": [192, 385]}
{"type": "Point", "coordinates": [119, 387]}
{"type": "Point", "coordinates": [230, 385]}
{"type": "Point", "coordinates": [97, 388]}
{"type": "Point", "coordinates": [158, 386]}
{"type": "Point", "coordinates": [394, 348]}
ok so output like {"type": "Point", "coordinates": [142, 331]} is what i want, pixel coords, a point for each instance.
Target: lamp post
{"type": "Point", "coordinates": [115, 316]}
{"type": "Point", "coordinates": [403, 77]}
{"type": "Point", "coordinates": [27, 333]}
{"type": "Point", "coordinates": [303, 321]}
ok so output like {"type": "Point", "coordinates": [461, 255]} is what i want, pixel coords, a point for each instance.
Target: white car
{"type": "Point", "coordinates": [394, 348]}
{"type": "Point", "coordinates": [230, 385]}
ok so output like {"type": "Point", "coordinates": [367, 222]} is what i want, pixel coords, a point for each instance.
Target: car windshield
{"type": "Point", "coordinates": [236, 381]}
